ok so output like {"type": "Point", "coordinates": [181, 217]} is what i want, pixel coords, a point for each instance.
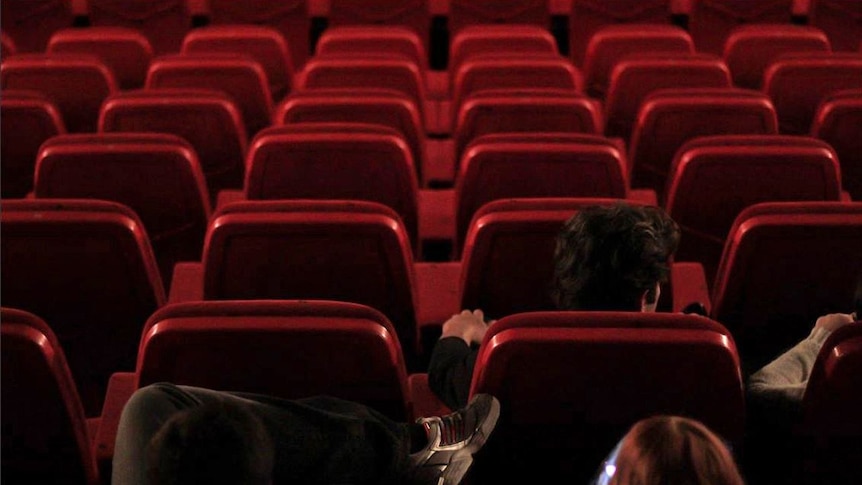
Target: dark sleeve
{"type": "Point", "coordinates": [451, 371]}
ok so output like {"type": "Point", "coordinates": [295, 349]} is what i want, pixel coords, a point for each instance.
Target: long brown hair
{"type": "Point", "coordinates": [673, 450]}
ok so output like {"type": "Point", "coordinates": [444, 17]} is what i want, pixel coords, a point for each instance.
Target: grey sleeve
{"type": "Point", "coordinates": [780, 385]}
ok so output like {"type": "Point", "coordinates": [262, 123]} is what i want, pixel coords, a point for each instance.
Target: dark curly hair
{"type": "Point", "coordinates": [607, 257]}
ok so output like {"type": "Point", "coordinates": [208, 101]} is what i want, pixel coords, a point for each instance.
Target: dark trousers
{"type": "Point", "coordinates": [316, 440]}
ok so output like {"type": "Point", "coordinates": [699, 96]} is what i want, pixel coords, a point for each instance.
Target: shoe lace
{"type": "Point", "coordinates": [453, 428]}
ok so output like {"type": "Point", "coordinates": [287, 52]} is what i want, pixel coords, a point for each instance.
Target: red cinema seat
{"type": "Point", "coordinates": [537, 165]}
{"type": "Point", "coordinates": [209, 120]}
{"type": "Point", "coordinates": [31, 22]}
{"type": "Point", "coordinates": [465, 13]}
{"type": "Point", "coordinates": [515, 39]}
{"type": "Point", "coordinates": [164, 22]}
{"type": "Point", "coordinates": [76, 83]}
{"type": "Point", "coordinates": [44, 429]}
{"type": "Point", "coordinates": [265, 44]}
{"type": "Point", "coordinates": [798, 84]}
{"type": "Point", "coordinates": [838, 122]}
{"type": "Point", "coordinates": [284, 348]}
{"type": "Point", "coordinates": [412, 14]}
{"type": "Point", "coordinates": [784, 265]}
{"type": "Point", "coordinates": [348, 161]}
{"type": "Point", "coordinates": [87, 267]}
{"type": "Point", "coordinates": [503, 72]}
{"type": "Point", "coordinates": [239, 76]}
{"type": "Point", "coordinates": [359, 105]}
{"type": "Point", "coordinates": [570, 384]}
{"type": "Point", "coordinates": [27, 118]}
{"type": "Point", "coordinates": [287, 349]}
{"type": "Point", "coordinates": [125, 51]}
{"type": "Point", "coordinates": [507, 261]}
{"type": "Point", "coordinates": [840, 19]}
{"type": "Point", "coordinates": [670, 117]}
{"type": "Point", "coordinates": [714, 178]}
{"type": "Point", "coordinates": [156, 175]}
{"type": "Point", "coordinates": [361, 40]}
{"type": "Point", "coordinates": [710, 21]}
{"type": "Point", "coordinates": [749, 49]}
{"type": "Point", "coordinates": [386, 72]}
{"type": "Point", "coordinates": [352, 251]}
{"type": "Point", "coordinates": [612, 43]}
{"type": "Point", "coordinates": [290, 18]}
{"type": "Point", "coordinates": [525, 110]}
{"type": "Point", "coordinates": [634, 78]}
{"type": "Point", "coordinates": [588, 16]}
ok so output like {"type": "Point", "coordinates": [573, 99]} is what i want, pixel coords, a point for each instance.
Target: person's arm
{"type": "Point", "coordinates": [784, 379]}
{"type": "Point", "coordinates": [454, 357]}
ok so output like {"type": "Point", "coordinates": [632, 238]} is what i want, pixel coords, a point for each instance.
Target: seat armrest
{"type": "Point", "coordinates": [187, 283]}
{"type": "Point", "coordinates": [644, 196]}
{"type": "Point", "coordinates": [225, 197]}
{"type": "Point", "coordinates": [425, 402]}
{"type": "Point", "coordinates": [121, 386]}
{"type": "Point", "coordinates": [688, 285]}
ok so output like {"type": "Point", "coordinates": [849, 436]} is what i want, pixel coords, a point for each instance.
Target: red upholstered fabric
{"type": "Point", "coordinates": [76, 83]}
{"type": "Point", "coordinates": [837, 122]}
{"type": "Point", "coordinates": [209, 120]}
{"type": "Point", "coordinates": [287, 349]}
{"type": "Point", "coordinates": [164, 22]}
{"type": "Point", "coordinates": [156, 175]}
{"type": "Point", "coordinates": [711, 21]}
{"type": "Point", "coordinates": [44, 430]}
{"type": "Point", "coordinates": [571, 383]}
{"type": "Point", "coordinates": [87, 267]}
{"type": "Point", "coordinates": [783, 266]}
{"type": "Point", "coordinates": [27, 119]}
{"type": "Point", "coordinates": [125, 51]}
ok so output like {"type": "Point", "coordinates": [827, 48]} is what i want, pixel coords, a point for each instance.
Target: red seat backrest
{"type": "Point", "coordinates": [31, 22]}
{"type": "Point", "coordinates": [798, 83]}
{"type": "Point", "coordinates": [209, 120]}
{"type": "Point", "coordinates": [125, 51]}
{"type": "Point", "coordinates": [572, 383]}
{"type": "Point", "coordinates": [837, 122]}
{"type": "Point", "coordinates": [507, 261]}
{"type": "Point", "coordinates": [537, 165]}
{"type": "Point", "coordinates": [286, 349]}
{"type": "Point", "coordinates": [87, 267]}
{"type": "Point", "coordinates": [669, 117]}
{"type": "Point", "coordinates": [27, 119]}
{"type": "Point", "coordinates": [749, 49]}
{"type": "Point", "coordinates": [44, 430]}
{"type": "Point", "coordinates": [76, 83]}
{"type": "Point", "coordinates": [714, 178]}
{"type": "Point", "coordinates": [783, 266]}
{"type": "Point", "coordinates": [633, 79]}
{"type": "Point", "coordinates": [239, 76]}
{"type": "Point", "coordinates": [351, 251]}
{"type": "Point", "coordinates": [610, 44]}
{"type": "Point", "coordinates": [358, 105]}
{"type": "Point", "coordinates": [335, 161]}
{"type": "Point", "coordinates": [412, 14]}
{"type": "Point", "coordinates": [156, 175]}
{"type": "Point", "coordinates": [525, 110]}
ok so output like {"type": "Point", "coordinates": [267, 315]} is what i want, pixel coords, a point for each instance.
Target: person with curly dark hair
{"type": "Point", "coordinates": [608, 258]}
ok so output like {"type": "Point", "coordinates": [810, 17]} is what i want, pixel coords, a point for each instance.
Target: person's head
{"type": "Point", "coordinates": [212, 443]}
{"type": "Point", "coordinates": [613, 258]}
{"type": "Point", "coordinates": [670, 450]}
